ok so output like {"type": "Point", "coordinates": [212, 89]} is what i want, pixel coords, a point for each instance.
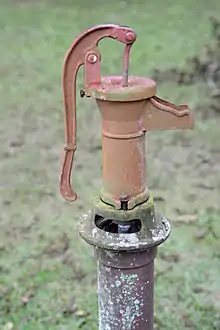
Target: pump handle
{"type": "Point", "coordinates": [83, 51]}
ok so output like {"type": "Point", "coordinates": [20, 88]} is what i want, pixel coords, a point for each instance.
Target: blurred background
{"type": "Point", "coordinates": [47, 273]}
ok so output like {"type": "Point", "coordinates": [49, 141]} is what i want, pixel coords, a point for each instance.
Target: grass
{"type": "Point", "coordinates": [48, 275]}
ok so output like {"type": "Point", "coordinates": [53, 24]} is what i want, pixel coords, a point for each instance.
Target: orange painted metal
{"type": "Point", "coordinates": [129, 108]}
{"type": "Point", "coordinates": [127, 113]}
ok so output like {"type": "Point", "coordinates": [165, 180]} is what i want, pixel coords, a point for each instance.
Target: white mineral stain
{"type": "Point", "coordinates": [94, 232]}
{"type": "Point", "coordinates": [117, 283]}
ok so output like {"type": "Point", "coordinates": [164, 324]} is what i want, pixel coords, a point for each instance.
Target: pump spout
{"type": "Point", "coordinates": [160, 114]}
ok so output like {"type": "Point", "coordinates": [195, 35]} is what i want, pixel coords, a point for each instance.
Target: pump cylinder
{"type": "Point", "coordinates": [123, 142]}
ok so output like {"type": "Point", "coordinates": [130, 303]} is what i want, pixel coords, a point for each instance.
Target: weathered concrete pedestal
{"type": "Point", "coordinates": [126, 289]}
{"type": "Point", "coordinates": [125, 264]}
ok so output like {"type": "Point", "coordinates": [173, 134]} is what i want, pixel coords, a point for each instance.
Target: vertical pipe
{"type": "Point", "coordinates": [126, 289]}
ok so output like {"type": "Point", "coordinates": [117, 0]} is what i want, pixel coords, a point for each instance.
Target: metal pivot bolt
{"type": "Point", "coordinates": [92, 58]}
{"type": "Point", "coordinates": [123, 225]}
{"type": "Point", "coordinates": [130, 36]}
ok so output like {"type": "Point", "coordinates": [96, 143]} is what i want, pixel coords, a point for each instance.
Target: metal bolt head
{"type": "Point", "coordinates": [92, 58]}
{"type": "Point", "coordinates": [130, 36]}
{"type": "Point", "coordinates": [82, 93]}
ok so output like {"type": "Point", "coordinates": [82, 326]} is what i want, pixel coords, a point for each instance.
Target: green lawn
{"type": "Point", "coordinates": [47, 274]}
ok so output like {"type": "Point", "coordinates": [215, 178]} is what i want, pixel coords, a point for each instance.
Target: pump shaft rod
{"type": "Point", "coordinates": [126, 65]}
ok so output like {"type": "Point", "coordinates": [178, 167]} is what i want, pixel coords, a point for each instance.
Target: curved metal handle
{"type": "Point", "coordinates": [85, 44]}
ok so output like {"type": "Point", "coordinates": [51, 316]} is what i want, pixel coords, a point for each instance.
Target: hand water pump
{"type": "Point", "coordinates": [123, 226]}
